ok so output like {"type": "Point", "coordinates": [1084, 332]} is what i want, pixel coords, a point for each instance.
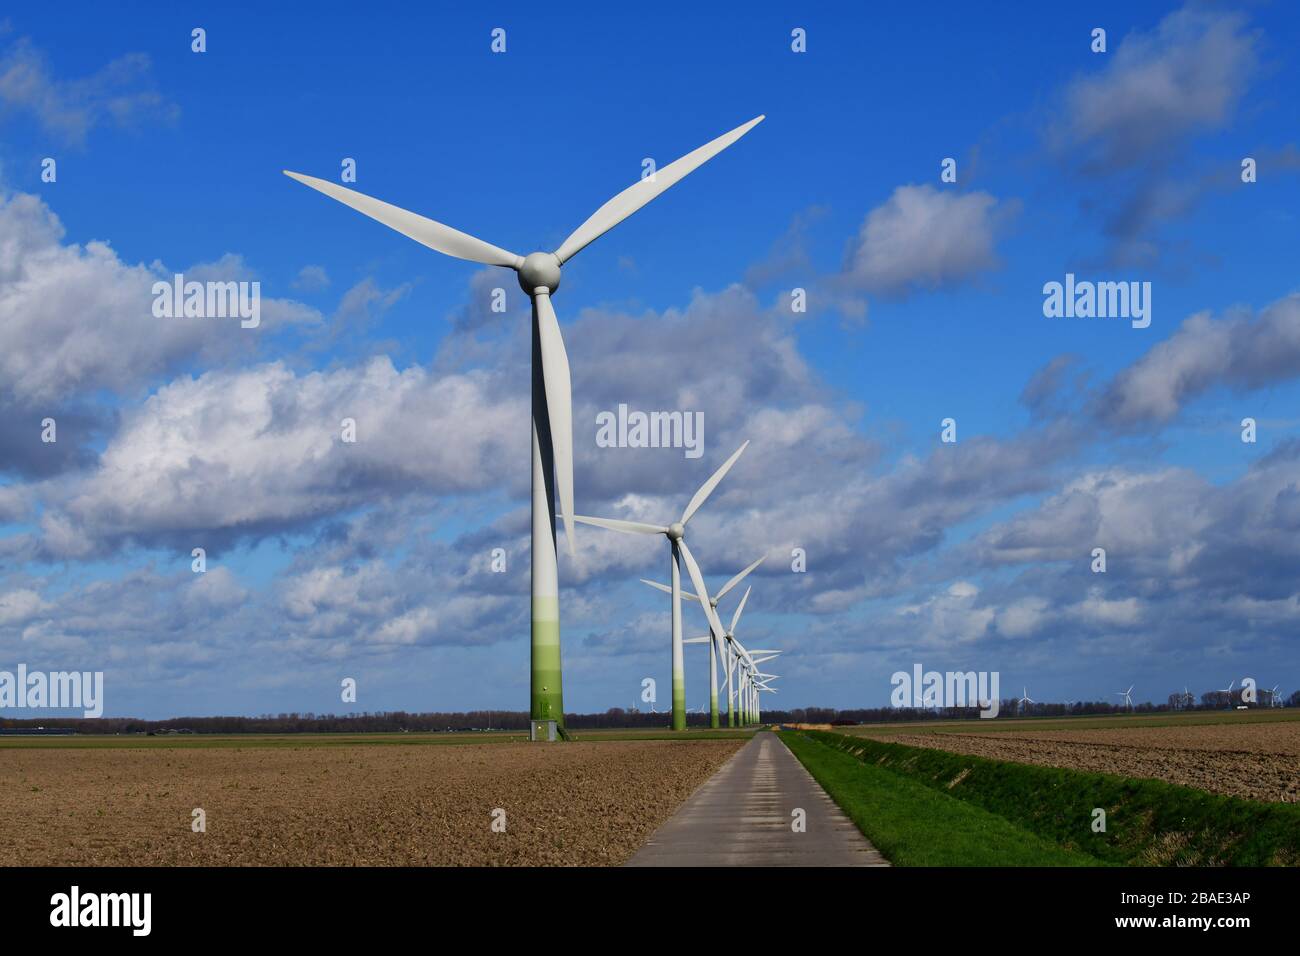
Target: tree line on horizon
{"type": "Point", "coordinates": [399, 721]}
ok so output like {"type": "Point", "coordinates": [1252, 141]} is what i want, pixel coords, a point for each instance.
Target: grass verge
{"type": "Point", "coordinates": [914, 825]}
{"type": "Point", "coordinates": [1148, 822]}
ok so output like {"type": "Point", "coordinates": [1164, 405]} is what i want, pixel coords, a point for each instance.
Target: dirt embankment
{"type": "Point", "coordinates": [1258, 761]}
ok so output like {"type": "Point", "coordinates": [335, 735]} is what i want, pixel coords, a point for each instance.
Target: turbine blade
{"type": "Point", "coordinates": [637, 195]}
{"type": "Point", "coordinates": [697, 579]}
{"type": "Point", "coordinates": [738, 578]}
{"type": "Point", "coordinates": [706, 489]}
{"type": "Point", "coordinates": [696, 640]}
{"type": "Point", "coordinates": [627, 527]}
{"type": "Point", "coordinates": [668, 590]}
{"type": "Point", "coordinates": [435, 235]}
{"type": "Point", "coordinates": [559, 405]}
{"type": "Point", "coordinates": [735, 618]}
{"type": "Point", "coordinates": [744, 654]}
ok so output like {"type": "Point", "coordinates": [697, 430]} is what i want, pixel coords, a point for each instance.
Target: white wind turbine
{"type": "Point", "coordinates": [742, 694]}
{"type": "Point", "coordinates": [740, 660]}
{"type": "Point", "coordinates": [1025, 699]}
{"type": "Point", "coordinates": [735, 657]}
{"type": "Point", "coordinates": [714, 639]}
{"type": "Point", "coordinates": [746, 665]}
{"type": "Point", "coordinates": [675, 533]}
{"type": "Point", "coordinates": [552, 429]}
{"type": "Point", "coordinates": [1127, 695]}
{"type": "Point", "coordinates": [1228, 690]}
{"type": "Point", "coordinates": [1273, 699]}
{"type": "Point", "coordinates": [758, 681]}
{"type": "Point", "coordinates": [762, 687]}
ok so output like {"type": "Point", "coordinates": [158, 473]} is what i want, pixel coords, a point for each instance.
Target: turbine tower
{"type": "Point", "coordinates": [552, 414]}
{"type": "Point", "coordinates": [675, 533]}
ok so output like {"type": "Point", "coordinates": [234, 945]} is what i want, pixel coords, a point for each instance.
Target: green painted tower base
{"type": "Point", "coordinates": [547, 685]}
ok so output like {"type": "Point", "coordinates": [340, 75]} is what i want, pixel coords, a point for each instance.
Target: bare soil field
{"type": "Point", "coordinates": [565, 804]}
{"type": "Point", "coordinates": [1259, 761]}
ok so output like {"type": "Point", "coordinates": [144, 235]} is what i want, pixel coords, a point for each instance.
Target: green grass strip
{"type": "Point", "coordinates": [1148, 822]}
{"type": "Point", "coordinates": [914, 825]}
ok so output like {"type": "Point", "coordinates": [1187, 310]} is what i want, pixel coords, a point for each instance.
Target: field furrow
{"type": "Point", "coordinates": [564, 804]}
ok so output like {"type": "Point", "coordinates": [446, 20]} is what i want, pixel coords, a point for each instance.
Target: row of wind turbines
{"type": "Point", "coordinates": [552, 437]}
{"type": "Point", "coordinates": [1187, 697]}
{"type": "Point", "coordinates": [744, 680]}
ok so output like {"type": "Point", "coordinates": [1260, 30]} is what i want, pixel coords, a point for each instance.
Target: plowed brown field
{"type": "Point", "coordinates": [1260, 761]}
{"type": "Point", "coordinates": [565, 804]}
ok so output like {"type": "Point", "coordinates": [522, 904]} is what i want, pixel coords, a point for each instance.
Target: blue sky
{"type": "Point", "coordinates": [371, 561]}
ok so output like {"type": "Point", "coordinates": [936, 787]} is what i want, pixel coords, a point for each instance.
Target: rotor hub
{"type": "Point", "coordinates": [676, 530]}
{"type": "Point", "coordinates": [539, 270]}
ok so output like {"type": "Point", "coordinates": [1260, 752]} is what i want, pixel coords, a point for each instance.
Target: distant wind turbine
{"type": "Point", "coordinates": [1228, 690]}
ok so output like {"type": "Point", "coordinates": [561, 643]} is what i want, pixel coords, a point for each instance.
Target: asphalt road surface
{"type": "Point", "coordinates": [745, 815]}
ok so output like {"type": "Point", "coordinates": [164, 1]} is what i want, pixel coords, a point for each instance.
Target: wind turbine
{"type": "Point", "coordinates": [715, 639]}
{"type": "Point", "coordinates": [762, 686]}
{"type": "Point", "coordinates": [680, 552]}
{"type": "Point", "coordinates": [746, 665]}
{"type": "Point", "coordinates": [1273, 699]}
{"type": "Point", "coordinates": [552, 414]}
{"type": "Point", "coordinates": [759, 684]}
{"type": "Point", "coordinates": [1228, 690]}
{"type": "Point", "coordinates": [1127, 695]}
{"type": "Point", "coordinates": [758, 680]}
{"type": "Point", "coordinates": [1025, 699]}
{"type": "Point", "coordinates": [737, 667]}
{"type": "Point", "coordinates": [739, 659]}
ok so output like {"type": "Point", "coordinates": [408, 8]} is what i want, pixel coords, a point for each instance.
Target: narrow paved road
{"type": "Point", "coordinates": [743, 816]}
